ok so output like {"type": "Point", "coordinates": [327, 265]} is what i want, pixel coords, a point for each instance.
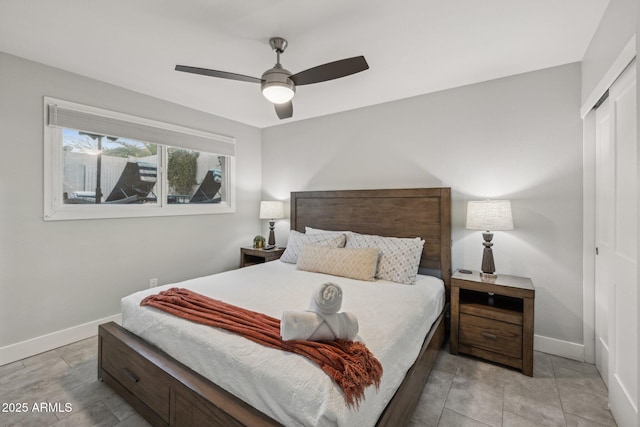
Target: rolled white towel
{"type": "Point", "coordinates": [312, 326]}
{"type": "Point", "coordinates": [327, 298]}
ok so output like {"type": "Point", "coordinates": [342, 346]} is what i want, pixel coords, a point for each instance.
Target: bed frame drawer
{"type": "Point", "coordinates": [500, 337]}
{"type": "Point", "coordinates": [164, 391]}
{"type": "Point", "coordinates": [139, 377]}
{"type": "Point", "coordinates": [193, 411]}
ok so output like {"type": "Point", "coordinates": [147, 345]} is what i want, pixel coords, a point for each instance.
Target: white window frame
{"type": "Point", "coordinates": [54, 207]}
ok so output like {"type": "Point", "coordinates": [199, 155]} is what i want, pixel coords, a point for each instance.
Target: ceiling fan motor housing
{"type": "Point", "coordinates": [277, 87]}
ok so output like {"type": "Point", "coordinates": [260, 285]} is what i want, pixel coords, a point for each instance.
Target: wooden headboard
{"type": "Point", "coordinates": [411, 212]}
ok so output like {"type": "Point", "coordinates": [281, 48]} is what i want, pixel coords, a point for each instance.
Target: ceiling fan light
{"type": "Point", "coordinates": [277, 87]}
{"type": "Point", "coordinates": [278, 92]}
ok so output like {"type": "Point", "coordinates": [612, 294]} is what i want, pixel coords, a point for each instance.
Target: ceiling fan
{"type": "Point", "coordinates": [279, 85]}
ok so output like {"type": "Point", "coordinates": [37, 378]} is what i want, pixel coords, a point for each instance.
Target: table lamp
{"type": "Point", "coordinates": [271, 210]}
{"type": "Point", "coordinates": [489, 215]}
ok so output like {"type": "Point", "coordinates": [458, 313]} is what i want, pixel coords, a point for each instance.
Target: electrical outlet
{"type": "Point", "coordinates": [153, 282]}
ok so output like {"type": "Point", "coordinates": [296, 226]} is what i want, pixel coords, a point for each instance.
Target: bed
{"type": "Point", "coordinates": [168, 392]}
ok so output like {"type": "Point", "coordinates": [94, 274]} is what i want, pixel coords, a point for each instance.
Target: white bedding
{"type": "Point", "coordinates": [394, 320]}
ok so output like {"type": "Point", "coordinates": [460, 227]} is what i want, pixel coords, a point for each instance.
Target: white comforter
{"type": "Point", "coordinates": [393, 319]}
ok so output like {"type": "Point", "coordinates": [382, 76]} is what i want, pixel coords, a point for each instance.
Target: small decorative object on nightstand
{"type": "Point", "coordinates": [250, 256]}
{"type": "Point", "coordinates": [258, 242]}
{"type": "Point", "coordinates": [493, 318]}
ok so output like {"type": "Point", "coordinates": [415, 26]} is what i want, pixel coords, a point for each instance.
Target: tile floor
{"type": "Point", "coordinates": [460, 392]}
{"type": "Point", "coordinates": [463, 391]}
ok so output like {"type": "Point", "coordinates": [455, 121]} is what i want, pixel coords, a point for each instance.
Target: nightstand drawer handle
{"type": "Point", "coordinates": [130, 375]}
{"type": "Point", "coordinates": [490, 336]}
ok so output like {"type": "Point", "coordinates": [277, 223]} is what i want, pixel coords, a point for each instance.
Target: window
{"type": "Point", "coordinates": [99, 169]}
{"type": "Point", "coordinates": [102, 164]}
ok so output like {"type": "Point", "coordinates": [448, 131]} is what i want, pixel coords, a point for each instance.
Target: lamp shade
{"type": "Point", "coordinates": [489, 215]}
{"type": "Point", "coordinates": [271, 210]}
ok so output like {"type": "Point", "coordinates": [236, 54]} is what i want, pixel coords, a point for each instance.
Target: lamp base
{"type": "Point", "coordinates": [272, 236]}
{"type": "Point", "coordinates": [488, 276]}
{"type": "Point", "coordinates": [488, 266]}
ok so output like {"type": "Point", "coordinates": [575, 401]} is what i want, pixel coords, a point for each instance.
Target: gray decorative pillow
{"type": "Point", "coordinates": [297, 240]}
{"type": "Point", "coordinates": [399, 257]}
{"type": "Point", "coordinates": [310, 230]}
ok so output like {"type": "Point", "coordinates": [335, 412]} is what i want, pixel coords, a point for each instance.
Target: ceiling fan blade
{"type": "Point", "coordinates": [330, 71]}
{"type": "Point", "coordinates": [284, 110]}
{"type": "Point", "coordinates": [216, 73]}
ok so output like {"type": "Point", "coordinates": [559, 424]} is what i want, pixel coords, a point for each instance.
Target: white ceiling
{"type": "Point", "coordinates": [412, 46]}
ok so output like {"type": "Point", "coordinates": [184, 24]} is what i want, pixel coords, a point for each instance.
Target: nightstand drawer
{"type": "Point", "coordinates": [489, 334]}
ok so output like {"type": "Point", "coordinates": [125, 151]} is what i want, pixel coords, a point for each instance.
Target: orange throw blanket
{"type": "Point", "coordinates": [350, 364]}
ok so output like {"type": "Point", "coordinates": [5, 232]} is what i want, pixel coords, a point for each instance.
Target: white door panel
{"type": "Point", "coordinates": [617, 241]}
{"type": "Point", "coordinates": [605, 157]}
{"type": "Point", "coordinates": [623, 330]}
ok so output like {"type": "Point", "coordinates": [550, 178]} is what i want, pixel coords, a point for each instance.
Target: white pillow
{"type": "Point", "coordinates": [297, 240]}
{"type": "Point", "coordinates": [354, 263]}
{"type": "Point", "coordinates": [399, 257]}
{"type": "Point", "coordinates": [309, 230]}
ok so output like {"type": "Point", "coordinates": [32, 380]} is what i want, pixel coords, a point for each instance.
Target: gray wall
{"type": "Point", "coordinates": [518, 138]}
{"type": "Point", "coordinates": [617, 26]}
{"type": "Point", "coordinates": [56, 275]}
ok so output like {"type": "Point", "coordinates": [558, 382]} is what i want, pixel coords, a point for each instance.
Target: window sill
{"type": "Point", "coordinates": [106, 211]}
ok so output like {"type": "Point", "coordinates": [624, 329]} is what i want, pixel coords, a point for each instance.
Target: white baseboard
{"type": "Point", "coordinates": [33, 346]}
{"type": "Point", "coordinates": [561, 348]}
{"type": "Point", "coordinates": [37, 345]}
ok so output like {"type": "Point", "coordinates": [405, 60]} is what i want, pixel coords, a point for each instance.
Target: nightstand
{"type": "Point", "coordinates": [250, 256]}
{"type": "Point", "coordinates": [493, 318]}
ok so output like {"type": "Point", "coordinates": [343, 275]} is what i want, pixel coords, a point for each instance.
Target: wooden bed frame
{"type": "Point", "coordinates": [166, 392]}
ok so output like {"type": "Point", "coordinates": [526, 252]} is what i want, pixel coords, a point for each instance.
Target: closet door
{"type": "Point", "coordinates": [617, 240]}
{"type": "Point", "coordinates": [605, 225]}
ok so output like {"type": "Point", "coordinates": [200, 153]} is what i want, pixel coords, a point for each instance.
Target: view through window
{"type": "Point", "coordinates": [100, 169]}
{"type": "Point", "coordinates": [194, 177]}
{"type": "Point", "coordinates": [153, 169]}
